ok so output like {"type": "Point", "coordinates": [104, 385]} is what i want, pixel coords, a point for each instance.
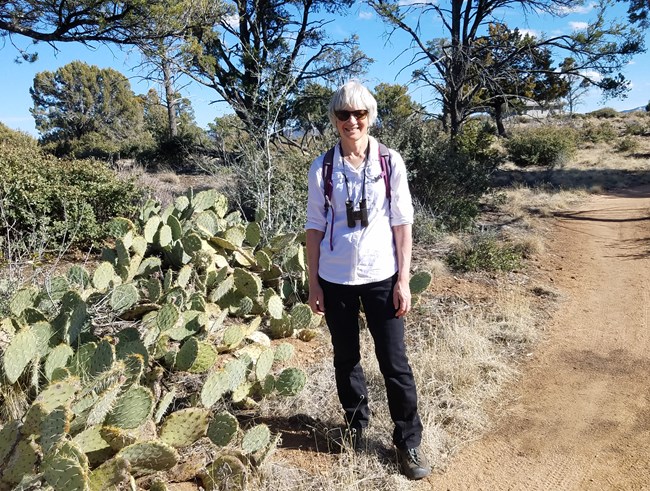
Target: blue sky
{"type": "Point", "coordinates": [16, 79]}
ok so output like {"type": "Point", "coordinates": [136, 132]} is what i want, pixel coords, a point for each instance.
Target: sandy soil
{"type": "Point", "coordinates": [581, 416]}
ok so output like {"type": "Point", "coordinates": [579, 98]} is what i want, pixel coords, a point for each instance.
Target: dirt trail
{"type": "Point", "coordinates": [581, 420]}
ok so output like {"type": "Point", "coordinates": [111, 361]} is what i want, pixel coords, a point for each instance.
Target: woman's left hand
{"type": "Point", "coordinates": [402, 298]}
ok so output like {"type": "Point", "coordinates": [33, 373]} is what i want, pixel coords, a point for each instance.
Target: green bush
{"type": "Point", "coordinates": [628, 144]}
{"type": "Point", "coordinates": [604, 113]}
{"type": "Point", "coordinates": [58, 200]}
{"type": "Point", "coordinates": [485, 253]}
{"type": "Point", "coordinates": [596, 133]}
{"type": "Point", "coordinates": [447, 177]}
{"type": "Point", "coordinates": [635, 128]}
{"type": "Point", "coordinates": [547, 146]}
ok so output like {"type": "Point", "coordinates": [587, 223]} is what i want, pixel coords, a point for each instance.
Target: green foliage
{"type": "Point", "coordinates": [447, 176]}
{"type": "Point", "coordinates": [58, 200]}
{"type": "Point", "coordinates": [485, 253]}
{"type": "Point", "coordinates": [91, 407]}
{"type": "Point", "coordinates": [84, 110]}
{"type": "Point", "coordinates": [598, 132]}
{"type": "Point", "coordinates": [604, 113]}
{"type": "Point", "coordinates": [546, 146]}
{"type": "Point", "coordinates": [628, 144]}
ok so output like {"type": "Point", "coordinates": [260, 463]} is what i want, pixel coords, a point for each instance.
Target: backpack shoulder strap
{"type": "Point", "coordinates": [328, 165]}
{"type": "Point", "coordinates": [386, 167]}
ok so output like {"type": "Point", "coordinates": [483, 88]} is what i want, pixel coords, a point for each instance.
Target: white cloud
{"type": "Point", "coordinates": [416, 3]}
{"type": "Point", "coordinates": [530, 32]}
{"type": "Point", "coordinates": [576, 26]}
{"type": "Point", "coordinates": [232, 20]}
{"type": "Point", "coordinates": [592, 74]}
{"type": "Point", "coordinates": [576, 9]}
{"type": "Point", "coordinates": [365, 15]}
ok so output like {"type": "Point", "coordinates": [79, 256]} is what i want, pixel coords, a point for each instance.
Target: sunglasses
{"type": "Point", "coordinates": [345, 115]}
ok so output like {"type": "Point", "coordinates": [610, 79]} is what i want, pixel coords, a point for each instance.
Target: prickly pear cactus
{"type": "Point", "coordinates": [184, 427]}
{"type": "Point", "coordinates": [256, 439]}
{"type": "Point", "coordinates": [148, 457]}
{"type": "Point", "coordinates": [222, 429]}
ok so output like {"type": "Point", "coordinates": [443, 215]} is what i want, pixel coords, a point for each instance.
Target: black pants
{"type": "Point", "coordinates": [342, 304]}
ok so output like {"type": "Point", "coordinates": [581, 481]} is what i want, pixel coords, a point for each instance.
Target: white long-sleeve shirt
{"type": "Point", "coordinates": [359, 255]}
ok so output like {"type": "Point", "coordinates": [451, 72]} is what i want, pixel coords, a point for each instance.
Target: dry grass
{"type": "Point", "coordinates": [462, 355]}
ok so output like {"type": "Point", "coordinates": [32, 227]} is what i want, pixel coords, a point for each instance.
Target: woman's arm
{"type": "Point", "coordinates": [316, 298]}
{"type": "Point", "coordinates": [403, 246]}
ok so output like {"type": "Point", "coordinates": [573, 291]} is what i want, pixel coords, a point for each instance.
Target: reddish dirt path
{"type": "Point", "coordinates": [581, 417]}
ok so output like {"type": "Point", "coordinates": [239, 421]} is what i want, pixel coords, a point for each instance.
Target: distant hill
{"type": "Point", "coordinates": [636, 109]}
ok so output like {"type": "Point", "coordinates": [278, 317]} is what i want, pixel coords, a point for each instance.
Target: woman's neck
{"type": "Point", "coordinates": [354, 152]}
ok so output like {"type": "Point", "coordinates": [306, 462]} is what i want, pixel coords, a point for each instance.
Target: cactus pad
{"type": "Point", "coordinates": [167, 317]}
{"type": "Point", "coordinates": [290, 381]}
{"type": "Point", "coordinates": [65, 473]}
{"type": "Point", "coordinates": [22, 462]}
{"type": "Point", "coordinates": [151, 228]}
{"type": "Point", "coordinates": [275, 307]}
{"type": "Point", "coordinates": [146, 457]}
{"type": "Point", "coordinates": [117, 438]}
{"type": "Point", "coordinates": [248, 284]}
{"type": "Point", "coordinates": [57, 394]}
{"type": "Point", "coordinates": [78, 276]}
{"type": "Point", "coordinates": [91, 443]}
{"type": "Point", "coordinates": [102, 358]}
{"type": "Point", "coordinates": [21, 350]}
{"type": "Point", "coordinates": [263, 260]}
{"type": "Point", "coordinates": [222, 288]}
{"type": "Point", "coordinates": [255, 439]}
{"type": "Point", "coordinates": [124, 297]}
{"type": "Point", "coordinates": [21, 300]}
{"type": "Point", "coordinates": [57, 358]}
{"type": "Point", "coordinates": [54, 427]}
{"type": "Point", "coordinates": [103, 405]}
{"type": "Point", "coordinates": [225, 469]}
{"type": "Point", "coordinates": [419, 282]}
{"type": "Point", "coordinates": [215, 386]}
{"type": "Point", "coordinates": [300, 316]}
{"type": "Point", "coordinates": [222, 429]}
{"type": "Point", "coordinates": [164, 404]}
{"type": "Point", "coordinates": [184, 427]}
{"type": "Point", "coordinates": [132, 408]}
{"type": "Point", "coordinates": [284, 352]}
{"type": "Point", "coordinates": [236, 370]}
{"type": "Point", "coordinates": [9, 435]}
{"type": "Point", "coordinates": [264, 363]}
{"type": "Point", "coordinates": [103, 276]}
{"type": "Point", "coordinates": [111, 475]}
{"type": "Point", "coordinates": [195, 356]}
{"type": "Point", "coordinates": [232, 336]}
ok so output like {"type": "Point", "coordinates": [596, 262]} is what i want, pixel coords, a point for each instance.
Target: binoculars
{"type": "Point", "coordinates": [360, 214]}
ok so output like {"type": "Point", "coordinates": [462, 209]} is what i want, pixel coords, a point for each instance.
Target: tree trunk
{"type": "Point", "coordinates": [170, 98]}
{"type": "Point", "coordinates": [498, 118]}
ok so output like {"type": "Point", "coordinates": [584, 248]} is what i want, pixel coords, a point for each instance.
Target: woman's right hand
{"type": "Point", "coordinates": [316, 299]}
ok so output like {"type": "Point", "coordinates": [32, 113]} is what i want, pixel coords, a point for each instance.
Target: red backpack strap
{"type": "Point", "coordinates": [386, 167]}
{"type": "Point", "coordinates": [328, 186]}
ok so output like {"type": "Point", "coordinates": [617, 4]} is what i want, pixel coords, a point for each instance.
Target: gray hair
{"type": "Point", "coordinates": [353, 95]}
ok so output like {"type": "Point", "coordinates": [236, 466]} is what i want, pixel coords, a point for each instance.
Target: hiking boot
{"type": "Point", "coordinates": [346, 437]}
{"type": "Point", "coordinates": [413, 463]}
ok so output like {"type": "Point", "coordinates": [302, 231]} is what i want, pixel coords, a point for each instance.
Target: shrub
{"type": "Point", "coordinates": [635, 128]}
{"type": "Point", "coordinates": [447, 177]}
{"type": "Point", "coordinates": [543, 146]}
{"type": "Point", "coordinates": [59, 200]}
{"type": "Point", "coordinates": [596, 133]}
{"type": "Point", "coordinates": [485, 253]}
{"type": "Point", "coordinates": [628, 144]}
{"type": "Point", "coordinates": [605, 112]}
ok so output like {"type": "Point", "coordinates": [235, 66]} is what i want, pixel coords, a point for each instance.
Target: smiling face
{"type": "Point", "coordinates": [355, 128]}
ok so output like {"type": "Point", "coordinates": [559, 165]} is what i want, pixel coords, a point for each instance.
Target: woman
{"type": "Point", "coordinates": [359, 253]}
